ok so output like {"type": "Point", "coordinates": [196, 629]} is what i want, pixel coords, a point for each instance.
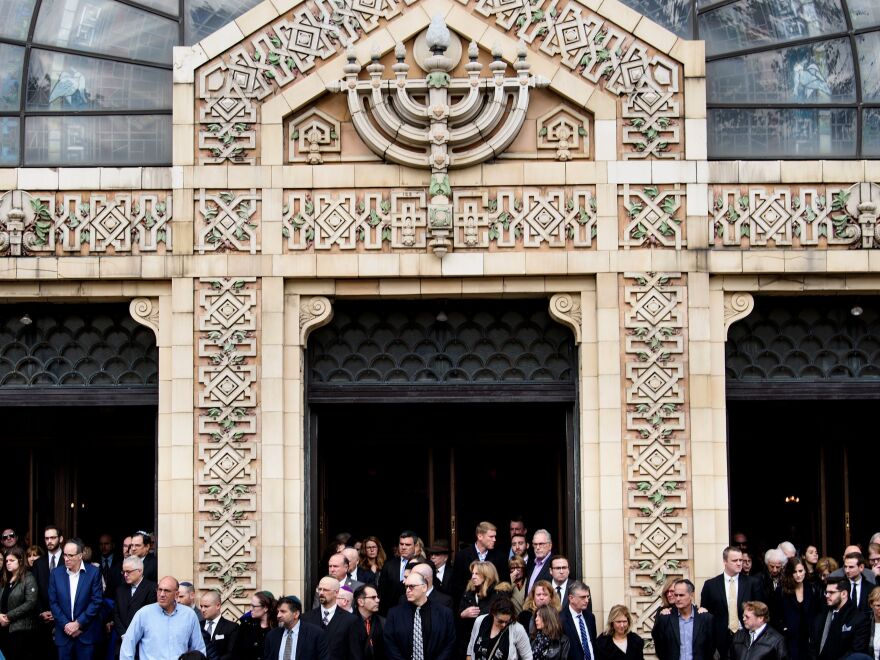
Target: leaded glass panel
{"type": "Point", "coordinates": [871, 132]}
{"type": "Point", "coordinates": [58, 81]}
{"type": "Point", "coordinates": [750, 23]}
{"type": "Point", "coordinates": [864, 13]}
{"type": "Point", "coordinates": [97, 26]}
{"type": "Point", "coordinates": [816, 73]}
{"type": "Point", "coordinates": [206, 16]}
{"type": "Point", "coordinates": [11, 61]}
{"type": "Point", "coordinates": [869, 64]}
{"type": "Point", "coordinates": [674, 15]}
{"type": "Point", "coordinates": [782, 133]}
{"type": "Point", "coordinates": [168, 6]}
{"type": "Point", "coordinates": [16, 19]}
{"type": "Point", "coordinates": [9, 140]}
{"type": "Point", "coordinates": [102, 140]}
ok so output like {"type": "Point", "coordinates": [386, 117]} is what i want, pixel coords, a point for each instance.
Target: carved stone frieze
{"type": "Point", "coordinates": [795, 216]}
{"type": "Point", "coordinates": [313, 134]}
{"type": "Point", "coordinates": [564, 131]}
{"type": "Point", "coordinates": [654, 322]}
{"type": "Point", "coordinates": [146, 312]}
{"type": "Point", "coordinates": [504, 218]}
{"type": "Point", "coordinates": [227, 221]}
{"type": "Point", "coordinates": [231, 87]}
{"type": "Point", "coordinates": [653, 216]}
{"type": "Point", "coordinates": [226, 460]}
{"type": "Point", "coordinates": [65, 223]}
{"type": "Point", "coordinates": [737, 305]}
{"type": "Point", "coordinates": [566, 308]}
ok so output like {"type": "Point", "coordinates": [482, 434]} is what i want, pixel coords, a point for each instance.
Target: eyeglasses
{"type": "Point", "coordinates": [409, 587]}
{"type": "Point", "coordinates": [255, 605]}
{"type": "Point", "coordinates": [874, 560]}
{"type": "Point", "coordinates": [831, 592]}
{"type": "Point", "coordinates": [559, 568]}
{"type": "Point", "coordinates": [8, 536]}
{"type": "Point", "coordinates": [69, 556]}
{"type": "Point", "coordinates": [370, 597]}
{"type": "Point", "coordinates": [130, 571]}
{"type": "Point", "coordinates": [541, 543]}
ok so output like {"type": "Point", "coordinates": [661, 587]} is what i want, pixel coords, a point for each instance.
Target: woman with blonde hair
{"type": "Point", "coordinates": [372, 556]}
{"type": "Point", "coordinates": [517, 568]}
{"type": "Point", "coordinates": [476, 600]}
{"type": "Point", "coordinates": [667, 590]}
{"type": "Point", "coordinates": [542, 593]}
{"type": "Point", "coordinates": [618, 642]}
{"type": "Point", "coordinates": [825, 567]}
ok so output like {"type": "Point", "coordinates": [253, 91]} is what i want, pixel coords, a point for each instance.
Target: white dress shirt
{"type": "Point", "coordinates": [73, 579]}
{"type": "Point", "coordinates": [577, 627]}
{"type": "Point", "coordinates": [294, 634]}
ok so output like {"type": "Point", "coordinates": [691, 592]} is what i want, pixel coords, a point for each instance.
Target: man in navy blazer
{"type": "Point", "coordinates": [581, 648]}
{"type": "Point", "coordinates": [77, 619]}
{"type": "Point", "coordinates": [311, 643]}
{"type": "Point", "coordinates": [685, 625]}
{"type": "Point", "coordinates": [438, 631]}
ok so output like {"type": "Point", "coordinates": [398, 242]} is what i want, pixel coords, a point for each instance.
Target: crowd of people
{"type": "Point", "coordinates": [519, 601]}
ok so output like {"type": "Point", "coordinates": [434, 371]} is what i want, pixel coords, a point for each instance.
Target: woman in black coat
{"type": "Point", "coordinates": [618, 642]}
{"type": "Point", "coordinates": [253, 629]}
{"type": "Point", "coordinates": [549, 642]}
{"type": "Point", "coordinates": [797, 609]}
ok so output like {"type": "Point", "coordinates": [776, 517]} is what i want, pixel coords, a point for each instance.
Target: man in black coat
{"type": "Point", "coordinates": [311, 643]}
{"type": "Point", "coordinates": [577, 620]}
{"type": "Point", "coordinates": [54, 540]}
{"type": "Point", "coordinates": [435, 625]}
{"type": "Point", "coordinates": [730, 586]}
{"type": "Point", "coordinates": [482, 550]}
{"type": "Point", "coordinates": [538, 567]}
{"type": "Point", "coordinates": [391, 578]}
{"type": "Point", "coordinates": [438, 553]}
{"type": "Point", "coordinates": [756, 640]}
{"type": "Point", "coordinates": [219, 632]}
{"type": "Point", "coordinates": [842, 629]}
{"type": "Point", "coordinates": [426, 570]}
{"type": "Point", "coordinates": [135, 593]}
{"type": "Point", "coordinates": [366, 634]}
{"type": "Point", "coordinates": [335, 621]}
{"type": "Point", "coordinates": [684, 623]}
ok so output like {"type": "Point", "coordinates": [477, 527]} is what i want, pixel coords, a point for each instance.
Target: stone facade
{"type": "Point", "coordinates": [601, 200]}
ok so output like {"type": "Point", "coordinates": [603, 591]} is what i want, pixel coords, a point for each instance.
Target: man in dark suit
{"type": "Point", "coordinates": [722, 591]}
{"type": "Point", "coordinates": [482, 550]}
{"type": "Point", "coordinates": [860, 586]}
{"type": "Point", "coordinates": [77, 627]}
{"type": "Point", "coordinates": [756, 640]}
{"type": "Point", "coordinates": [538, 567]}
{"type": "Point", "coordinates": [366, 634]}
{"type": "Point", "coordinates": [426, 570]}
{"type": "Point", "coordinates": [141, 543]}
{"type": "Point", "coordinates": [53, 558]}
{"type": "Point", "coordinates": [110, 564]}
{"type": "Point", "coordinates": [335, 621]}
{"type": "Point", "coordinates": [418, 618]}
{"type": "Point", "coordinates": [339, 567]}
{"type": "Point", "coordinates": [355, 573]}
{"type": "Point", "coordinates": [686, 625]}
{"type": "Point", "coordinates": [391, 578]}
{"type": "Point", "coordinates": [842, 629]}
{"type": "Point", "coordinates": [438, 553]}
{"type": "Point", "coordinates": [306, 641]}
{"type": "Point", "coordinates": [560, 574]}
{"type": "Point", "coordinates": [131, 596]}
{"type": "Point", "coordinates": [578, 624]}
{"type": "Point", "coordinates": [218, 632]}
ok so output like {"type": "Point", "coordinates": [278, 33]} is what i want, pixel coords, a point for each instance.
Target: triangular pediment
{"type": "Point", "coordinates": [596, 66]}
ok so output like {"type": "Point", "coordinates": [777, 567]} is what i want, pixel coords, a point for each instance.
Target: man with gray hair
{"type": "Point", "coordinates": [538, 567]}
{"type": "Point", "coordinates": [578, 623]}
{"type": "Point", "coordinates": [774, 562]}
{"type": "Point", "coordinates": [135, 592]}
{"type": "Point", "coordinates": [686, 634]}
{"type": "Point", "coordinates": [788, 549]}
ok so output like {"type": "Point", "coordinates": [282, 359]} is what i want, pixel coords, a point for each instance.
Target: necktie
{"type": "Point", "coordinates": [559, 591]}
{"type": "Point", "coordinates": [828, 620]}
{"type": "Point", "coordinates": [854, 593]}
{"type": "Point", "coordinates": [418, 645]}
{"type": "Point", "coordinates": [585, 641]}
{"type": "Point", "coordinates": [288, 645]}
{"type": "Point", "coordinates": [326, 618]}
{"type": "Point", "coordinates": [52, 563]}
{"type": "Point", "coordinates": [402, 568]}
{"type": "Point", "coordinates": [210, 629]}
{"type": "Point", "coordinates": [751, 638]}
{"type": "Point", "coordinates": [732, 618]}
{"type": "Point", "coordinates": [369, 624]}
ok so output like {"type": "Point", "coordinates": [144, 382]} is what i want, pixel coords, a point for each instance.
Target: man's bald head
{"type": "Point", "coordinates": [426, 572]}
{"type": "Point", "coordinates": [328, 589]}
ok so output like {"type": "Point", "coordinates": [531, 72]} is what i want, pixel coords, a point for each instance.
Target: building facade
{"type": "Point", "coordinates": [437, 226]}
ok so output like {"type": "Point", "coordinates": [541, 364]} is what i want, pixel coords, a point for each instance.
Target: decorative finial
{"type": "Point", "coordinates": [473, 51]}
{"type": "Point", "coordinates": [438, 37]}
{"type": "Point", "coordinates": [350, 54]}
{"type": "Point", "coordinates": [496, 51]}
{"type": "Point", "coordinates": [521, 49]}
{"type": "Point", "coordinates": [374, 53]}
{"type": "Point", "coordinates": [400, 51]}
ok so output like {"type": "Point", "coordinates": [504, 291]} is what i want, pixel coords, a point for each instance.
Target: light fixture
{"type": "Point", "coordinates": [26, 320]}
{"type": "Point", "coordinates": [792, 499]}
{"type": "Point", "coordinates": [856, 310]}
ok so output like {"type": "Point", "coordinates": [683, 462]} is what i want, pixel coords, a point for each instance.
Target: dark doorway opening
{"type": "Point", "coordinates": [89, 469]}
{"type": "Point", "coordinates": [799, 472]}
{"type": "Point", "coordinates": [441, 468]}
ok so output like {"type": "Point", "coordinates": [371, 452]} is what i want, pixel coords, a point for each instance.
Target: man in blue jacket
{"type": "Point", "coordinates": [75, 598]}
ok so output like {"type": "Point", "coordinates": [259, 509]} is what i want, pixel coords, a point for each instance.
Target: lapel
{"type": "Point", "coordinates": [673, 622]}
{"type": "Point", "coordinates": [80, 586]}
{"type": "Point", "coordinates": [63, 585]}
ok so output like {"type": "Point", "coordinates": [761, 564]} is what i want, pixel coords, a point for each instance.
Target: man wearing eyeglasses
{"type": "Point", "coordinates": [367, 632]}
{"type": "Point", "coordinates": [842, 629]}
{"type": "Point", "coordinates": [538, 567]}
{"type": "Point", "coordinates": [418, 630]}
{"type": "Point", "coordinates": [75, 599]}
{"type": "Point", "coordinates": [131, 596]}
{"type": "Point", "coordinates": [335, 622]}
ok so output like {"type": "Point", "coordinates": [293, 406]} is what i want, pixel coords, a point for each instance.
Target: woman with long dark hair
{"type": "Point", "coordinates": [798, 605]}
{"type": "Point", "coordinates": [549, 642]}
{"type": "Point", "coordinates": [497, 635]}
{"type": "Point", "coordinates": [18, 606]}
{"type": "Point", "coordinates": [252, 630]}
{"type": "Point", "coordinates": [372, 556]}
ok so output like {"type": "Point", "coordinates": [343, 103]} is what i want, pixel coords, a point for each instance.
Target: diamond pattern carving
{"type": "Point", "coordinates": [654, 319]}
{"type": "Point", "coordinates": [231, 87]}
{"type": "Point", "coordinates": [653, 217]}
{"type": "Point", "coordinates": [228, 221]}
{"type": "Point", "coordinates": [227, 470]}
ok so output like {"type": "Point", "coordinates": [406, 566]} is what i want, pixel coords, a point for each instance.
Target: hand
{"type": "Point", "coordinates": [665, 611]}
{"type": "Point", "coordinates": [109, 627]}
{"type": "Point", "coordinates": [4, 620]}
{"type": "Point", "coordinates": [703, 610]}
{"type": "Point", "coordinates": [72, 628]}
{"type": "Point", "coordinates": [46, 616]}
{"type": "Point", "coordinates": [471, 612]}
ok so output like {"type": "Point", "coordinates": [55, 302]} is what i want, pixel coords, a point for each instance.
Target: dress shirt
{"type": "Point", "coordinates": [440, 572]}
{"type": "Point", "coordinates": [481, 555]}
{"type": "Point", "coordinates": [162, 636]}
{"type": "Point", "coordinates": [539, 564]}
{"type": "Point", "coordinates": [856, 590]}
{"type": "Point", "coordinates": [213, 623]}
{"type": "Point", "coordinates": [58, 560]}
{"type": "Point", "coordinates": [294, 634]}
{"type": "Point", "coordinates": [577, 627]}
{"type": "Point", "coordinates": [560, 588]}
{"type": "Point", "coordinates": [73, 577]}
{"type": "Point", "coordinates": [686, 634]}
{"type": "Point", "coordinates": [329, 613]}
{"type": "Point", "coordinates": [757, 633]}
{"type": "Point", "coordinates": [136, 584]}
{"type": "Point", "coordinates": [403, 563]}
{"type": "Point", "coordinates": [876, 648]}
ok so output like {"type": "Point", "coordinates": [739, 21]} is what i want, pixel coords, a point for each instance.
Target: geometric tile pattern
{"type": "Point", "coordinates": [226, 409]}
{"type": "Point", "coordinates": [225, 221]}
{"type": "Point", "coordinates": [76, 222]}
{"type": "Point", "coordinates": [510, 218]}
{"type": "Point", "coordinates": [793, 217]}
{"type": "Point", "coordinates": [231, 87]}
{"type": "Point", "coordinates": [654, 321]}
{"type": "Point", "coordinates": [651, 217]}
